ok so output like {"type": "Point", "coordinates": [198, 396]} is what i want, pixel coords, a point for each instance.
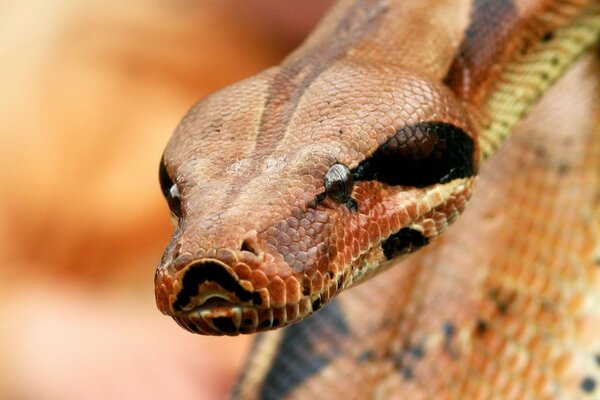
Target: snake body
{"type": "Point", "coordinates": [362, 147]}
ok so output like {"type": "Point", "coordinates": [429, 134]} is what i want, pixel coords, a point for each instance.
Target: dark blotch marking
{"type": "Point", "coordinates": [481, 327]}
{"type": "Point", "coordinates": [420, 155]}
{"type": "Point", "coordinates": [256, 299]}
{"type": "Point", "coordinates": [365, 356]}
{"type": "Point", "coordinates": [492, 23]}
{"type": "Point", "coordinates": [202, 272]}
{"type": "Point", "coordinates": [398, 361]}
{"type": "Point", "coordinates": [502, 308]}
{"type": "Point", "coordinates": [266, 323]}
{"type": "Point", "coordinates": [316, 304]}
{"type": "Point", "coordinates": [588, 385]}
{"type": "Point", "coordinates": [404, 370]}
{"type": "Point", "coordinates": [597, 359]}
{"type": "Point", "coordinates": [502, 301]}
{"type": "Point", "coordinates": [406, 360]}
{"type": "Point", "coordinates": [306, 285]}
{"type": "Point", "coordinates": [404, 241]}
{"type": "Point", "coordinates": [407, 374]}
{"type": "Point", "coordinates": [563, 168]}
{"type": "Point", "coordinates": [225, 324]}
{"type": "Point", "coordinates": [417, 351]}
{"type": "Point", "coordinates": [449, 330]}
{"type": "Point", "coordinates": [548, 36]}
{"type": "Point", "coordinates": [300, 354]}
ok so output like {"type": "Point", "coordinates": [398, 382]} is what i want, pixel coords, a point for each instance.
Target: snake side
{"type": "Point", "coordinates": [362, 147]}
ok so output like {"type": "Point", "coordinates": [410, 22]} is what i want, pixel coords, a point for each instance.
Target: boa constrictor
{"type": "Point", "coordinates": [363, 146]}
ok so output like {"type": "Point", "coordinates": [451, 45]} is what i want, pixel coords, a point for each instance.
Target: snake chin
{"type": "Point", "coordinates": [220, 317]}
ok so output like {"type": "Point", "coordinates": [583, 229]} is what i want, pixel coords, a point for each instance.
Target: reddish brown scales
{"type": "Point", "coordinates": [502, 32]}
{"type": "Point", "coordinates": [492, 26]}
{"type": "Point", "coordinates": [294, 235]}
{"type": "Point", "coordinates": [249, 163]}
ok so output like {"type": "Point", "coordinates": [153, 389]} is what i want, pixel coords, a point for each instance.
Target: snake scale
{"type": "Point", "coordinates": [363, 146]}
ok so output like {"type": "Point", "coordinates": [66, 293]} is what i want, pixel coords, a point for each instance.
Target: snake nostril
{"type": "Point", "coordinates": [250, 243]}
{"type": "Point", "coordinates": [247, 245]}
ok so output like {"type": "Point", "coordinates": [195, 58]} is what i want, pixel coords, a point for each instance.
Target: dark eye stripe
{"type": "Point", "coordinates": [405, 241]}
{"type": "Point", "coordinates": [420, 155]}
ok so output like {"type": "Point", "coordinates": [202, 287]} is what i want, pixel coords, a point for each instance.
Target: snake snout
{"type": "Point", "coordinates": [242, 286]}
{"type": "Point", "coordinates": [208, 296]}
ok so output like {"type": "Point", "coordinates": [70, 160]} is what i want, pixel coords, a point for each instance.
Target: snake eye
{"type": "Point", "coordinates": [339, 184]}
{"type": "Point", "coordinates": [169, 190]}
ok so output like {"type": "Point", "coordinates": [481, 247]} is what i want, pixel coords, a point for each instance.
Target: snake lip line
{"type": "Point", "coordinates": [214, 303]}
{"type": "Point", "coordinates": [221, 317]}
{"type": "Point", "coordinates": [209, 297]}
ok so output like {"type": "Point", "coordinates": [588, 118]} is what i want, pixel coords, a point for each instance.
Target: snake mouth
{"type": "Point", "coordinates": [209, 283]}
{"type": "Point", "coordinates": [211, 297]}
{"type": "Point", "coordinates": [214, 303]}
{"type": "Point", "coordinates": [215, 316]}
{"type": "Point", "coordinates": [218, 317]}
{"type": "Point", "coordinates": [213, 300]}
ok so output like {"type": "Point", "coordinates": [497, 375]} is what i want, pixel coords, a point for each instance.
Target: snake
{"type": "Point", "coordinates": [407, 207]}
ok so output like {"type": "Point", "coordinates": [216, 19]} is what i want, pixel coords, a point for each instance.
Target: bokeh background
{"type": "Point", "coordinates": [90, 93]}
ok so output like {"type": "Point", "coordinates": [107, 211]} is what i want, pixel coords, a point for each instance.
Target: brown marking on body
{"type": "Point", "coordinates": [294, 78]}
{"type": "Point", "coordinates": [492, 24]}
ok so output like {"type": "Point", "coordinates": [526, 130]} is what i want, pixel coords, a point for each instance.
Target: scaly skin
{"type": "Point", "coordinates": [390, 89]}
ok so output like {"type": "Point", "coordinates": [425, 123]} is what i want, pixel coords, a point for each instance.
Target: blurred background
{"type": "Point", "coordinates": [90, 93]}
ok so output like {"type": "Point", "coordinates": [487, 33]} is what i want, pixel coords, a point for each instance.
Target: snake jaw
{"type": "Point", "coordinates": [209, 296]}
{"type": "Point", "coordinates": [212, 297]}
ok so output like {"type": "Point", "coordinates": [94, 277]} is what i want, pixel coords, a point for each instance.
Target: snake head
{"type": "Point", "coordinates": [290, 186]}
